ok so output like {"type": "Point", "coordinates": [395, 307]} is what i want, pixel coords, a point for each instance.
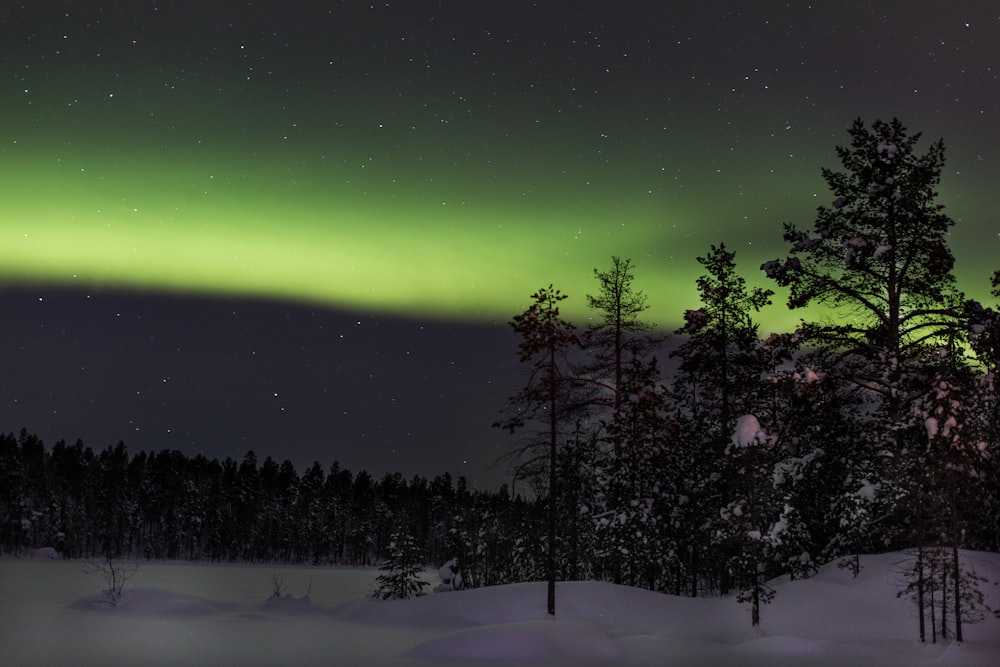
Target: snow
{"type": "Point", "coordinates": [748, 432]}
{"type": "Point", "coordinates": [932, 427]}
{"type": "Point", "coordinates": [868, 491]}
{"type": "Point", "coordinates": [887, 148]}
{"type": "Point", "coordinates": [450, 580]}
{"type": "Point", "coordinates": [45, 552]}
{"type": "Point", "coordinates": [780, 527]}
{"type": "Point", "coordinates": [215, 614]}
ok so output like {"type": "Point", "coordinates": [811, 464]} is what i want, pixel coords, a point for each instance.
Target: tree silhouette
{"type": "Point", "coordinates": [878, 258]}
{"type": "Point", "coordinates": [545, 337]}
{"type": "Point", "coordinates": [619, 334]}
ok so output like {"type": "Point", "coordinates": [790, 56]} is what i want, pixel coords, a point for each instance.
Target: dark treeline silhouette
{"type": "Point", "coordinates": [167, 505]}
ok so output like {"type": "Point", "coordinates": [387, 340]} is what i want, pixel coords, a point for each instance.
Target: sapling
{"type": "Point", "coordinates": [116, 574]}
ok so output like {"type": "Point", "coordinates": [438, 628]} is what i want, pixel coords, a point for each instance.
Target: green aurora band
{"type": "Point", "coordinates": [384, 216]}
{"type": "Point", "coordinates": [446, 163]}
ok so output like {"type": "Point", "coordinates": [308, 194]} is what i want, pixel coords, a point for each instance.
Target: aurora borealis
{"type": "Point", "coordinates": [434, 163]}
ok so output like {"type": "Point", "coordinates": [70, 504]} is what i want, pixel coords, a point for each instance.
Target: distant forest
{"type": "Point", "coordinates": [874, 427]}
{"type": "Point", "coordinates": [167, 505]}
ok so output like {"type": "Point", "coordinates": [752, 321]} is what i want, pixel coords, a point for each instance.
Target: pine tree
{"type": "Point", "coordinates": [619, 334]}
{"type": "Point", "coordinates": [462, 549]}
{"type": "Point", "coordinates": [13, 488]}
{"type": "Point", "coordinates": [545, 339]}
{"type": "Point", "coordinates": [814, 415]}
{"type": "Point", "coordinates": [311, 508]}
{"type": "Point", "coordinates": [878, 258]}
{"type": "Point", "coordinates": [760, 529]}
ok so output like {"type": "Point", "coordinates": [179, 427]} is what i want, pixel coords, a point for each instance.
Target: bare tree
{"type": "Point", "coordinates": [277, 585]}
{"type": "Point", "coordinates": [115, 573]}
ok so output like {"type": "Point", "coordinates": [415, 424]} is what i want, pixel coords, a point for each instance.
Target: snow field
{"type": "Point", "coordinates": [51, 613]}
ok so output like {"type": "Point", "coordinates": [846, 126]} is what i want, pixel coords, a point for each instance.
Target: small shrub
{"type": "Point", "coordinates": [277, 585]}
{"type": "Point", "coordinates": [115, 573]}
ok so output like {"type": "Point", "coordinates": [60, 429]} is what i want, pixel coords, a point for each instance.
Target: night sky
{"type": "Point", "coordinates": [301, 227]}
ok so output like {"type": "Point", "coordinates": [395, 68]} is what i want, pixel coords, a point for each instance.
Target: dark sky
{"type": "Point", "coordinates": [223, 375]}
{"type": "Point", "coordinates": [300, 227]}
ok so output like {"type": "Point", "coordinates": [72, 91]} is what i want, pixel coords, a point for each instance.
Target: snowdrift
{"type": "Point", "coordinates": [180, 614]}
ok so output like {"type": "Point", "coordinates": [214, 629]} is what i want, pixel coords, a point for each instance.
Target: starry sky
{"type": "Point", "coordinates": [301, 227]}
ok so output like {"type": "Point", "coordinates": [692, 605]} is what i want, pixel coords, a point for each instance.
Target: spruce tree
{"type": "Point", "coordinates": [748, 525]}
{"type": "Point", "coordinates": [718, 361]}
{"type": "Point", "coordinates": [718, 378]}
{"type": "Point", "coordinates": [401, 578]}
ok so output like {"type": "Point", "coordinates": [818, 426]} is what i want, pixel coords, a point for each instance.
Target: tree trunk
{"type": "Point", "coordinates": [920, 594]}
{"type": "Point", "coordinates": [550, 559]}
{"type": "Point", "coordinates": [944, 602]}
{"type": "Point", "coordinates": [956, 583]}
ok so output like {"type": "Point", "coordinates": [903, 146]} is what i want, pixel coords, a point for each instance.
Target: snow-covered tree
{"type": "Point", "coordinates": [750, 525]}
{"type": "Point", "coordinates": [578, 465]}
{"type": "Point", "coordinates": [629, 518]}
{"type": "Point", "coordinates": [878, 259]}
{"type": "Point", "coordinates": [719, 376]}
{"type": "Point", "coordinates": [984, 325]}
{"type": "Point", "coordinates": [464, 547]}
{"type": "Point", "coordinates": [401, 578]}
{"type": "Point", "coordinates": [825, 469]}
{"type": "Point", "coordinates": [688, 502]}
{"type": "Point", "coordinates": [948, 487]}
{"type": "Point", "coordinates": [719, 365]}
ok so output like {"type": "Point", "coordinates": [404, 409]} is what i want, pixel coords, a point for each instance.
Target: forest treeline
{"type": "Point", "coordinates": [873, 426]}
{"type": "Point", "coordinates": [168, 505]}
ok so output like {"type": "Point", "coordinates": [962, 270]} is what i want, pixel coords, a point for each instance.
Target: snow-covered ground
{"type": "Point", "coordinates": [202, 614]}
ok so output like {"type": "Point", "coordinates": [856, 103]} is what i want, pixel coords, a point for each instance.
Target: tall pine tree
{"type": "Point", "coordinates": [878, 259]}
{"type": "Point", "coordinates": [545, 340]}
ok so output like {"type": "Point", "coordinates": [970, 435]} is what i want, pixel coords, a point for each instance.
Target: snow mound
{"type": "Point", "coordinates": [600, 604]}
{"type": "Point", "coordinates": [45, 553]}
{"type": "Point", "coordinates": [288, 603]}
{"type": "Point", "coordinates": [748, 432]}
{"type": "Point", "coordinates": [155, 602]}
{"type": "Point", "coordinates": [533, 640]}
{"type": "Point", "coordinates": [209, 615]}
